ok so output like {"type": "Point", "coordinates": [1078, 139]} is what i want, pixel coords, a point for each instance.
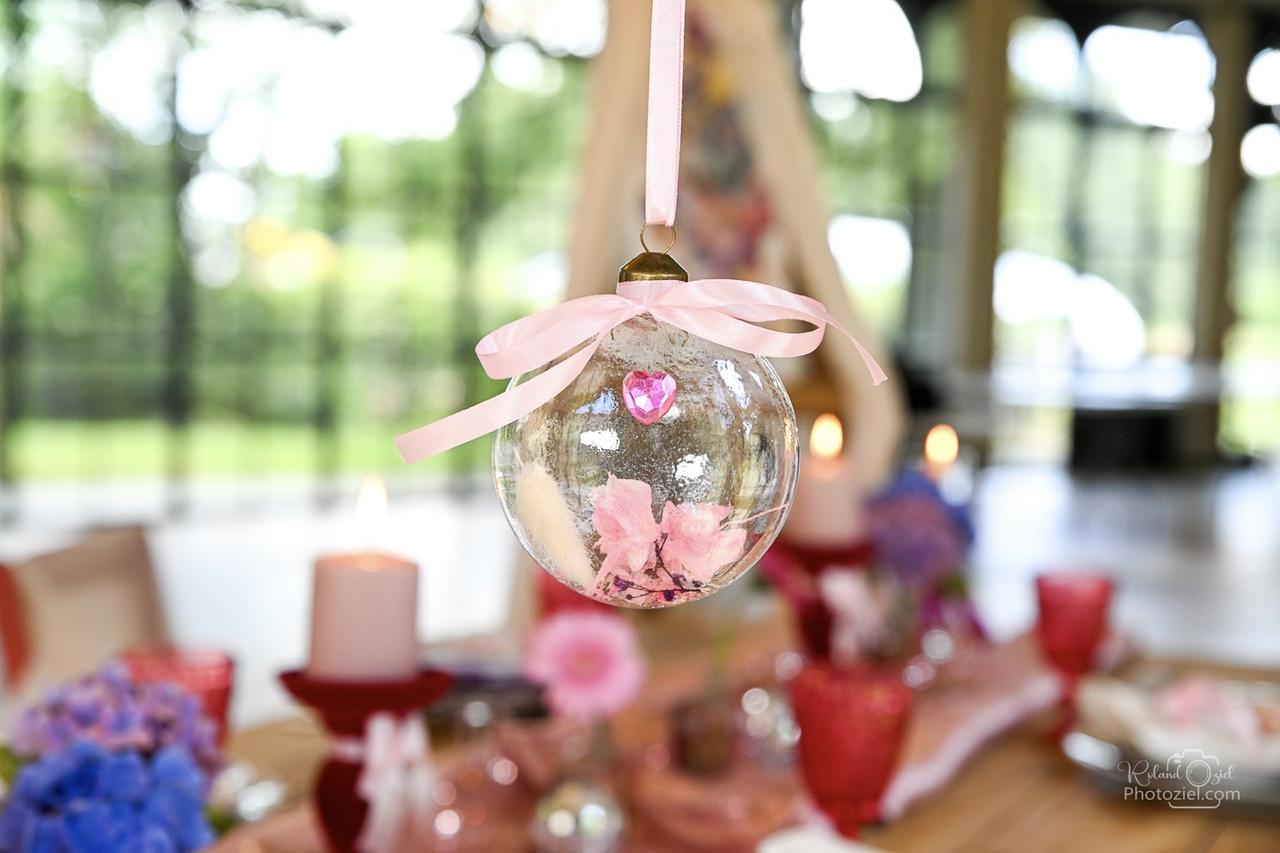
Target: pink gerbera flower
{"type": "Point", "coordinates": [589, 663]}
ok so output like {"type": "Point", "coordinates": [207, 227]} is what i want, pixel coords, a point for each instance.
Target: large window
{"type": "Point", "coordinates": [882, 90]}
{"type": "Point", "coordinates": [1251, 410]}
{"type": "Point", "coordinates": [1102, 194]}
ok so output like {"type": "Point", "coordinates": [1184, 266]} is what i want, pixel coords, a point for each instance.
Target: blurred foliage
{"type": "Point", "coordinates": [10, 764]}
{"type": "Point", "coordinates": [358, 274]}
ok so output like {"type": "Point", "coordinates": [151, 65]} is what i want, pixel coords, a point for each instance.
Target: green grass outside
{"type": "Point", "coordinates": [63, 450]}
{"type": "Point", "coordinates": [77, 450]}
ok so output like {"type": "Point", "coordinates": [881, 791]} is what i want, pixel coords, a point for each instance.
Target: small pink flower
{"type": "Point", "coordinates": [588, 662]}
{"type": "Point", "coordinates": [623, 516]}
{"type": "Point", "coordinates": [696, 545]}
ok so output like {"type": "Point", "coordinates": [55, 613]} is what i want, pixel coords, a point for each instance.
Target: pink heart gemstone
{"type": "Point", "coordinates": [648, 395]}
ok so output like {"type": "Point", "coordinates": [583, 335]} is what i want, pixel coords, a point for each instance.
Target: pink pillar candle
{"type": "Point", "coordinates": [826, 510]}
{"type": "Point", "coordinates": [364, 618]}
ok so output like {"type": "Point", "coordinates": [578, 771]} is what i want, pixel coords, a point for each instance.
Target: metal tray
{"type": "Point", "coordinates": [1108, 764]}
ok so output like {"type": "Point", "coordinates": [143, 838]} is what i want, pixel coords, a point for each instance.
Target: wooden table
{"type": "Point", "coordinates": [1019, 794]}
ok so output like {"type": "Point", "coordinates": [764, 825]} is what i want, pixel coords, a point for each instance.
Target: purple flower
{"type": "Point", "coordinates": [84, 798]}
{"type": "Point", "coordinates": [109, 709]}
{"type": "Point", "coordinates": [920, 536]}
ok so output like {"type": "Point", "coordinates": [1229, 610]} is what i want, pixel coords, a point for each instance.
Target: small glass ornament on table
{"type": "Point", "coordinates": [579, 816]}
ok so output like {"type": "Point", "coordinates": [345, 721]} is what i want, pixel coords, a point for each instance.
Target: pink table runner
{"type": "Point", "coordinates": [953, 721]}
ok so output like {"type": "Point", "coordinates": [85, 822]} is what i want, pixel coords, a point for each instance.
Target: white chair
{"type": "Point", "coordinates": [84, 605]}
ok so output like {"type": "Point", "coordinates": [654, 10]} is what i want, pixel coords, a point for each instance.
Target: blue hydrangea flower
{"type": "Point", "coordinates": [84, 799]}
{"type": "Point", "coordinates": [123, 777]}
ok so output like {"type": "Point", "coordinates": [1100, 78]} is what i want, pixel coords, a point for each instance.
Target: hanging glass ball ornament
{"type": "Point", "coordinates": [662, 473]}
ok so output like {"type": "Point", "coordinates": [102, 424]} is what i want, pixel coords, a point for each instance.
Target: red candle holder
{"type": "Point", "coordinates": [793, 571]}
{"type": "Point", "coordinates": [1073, 620]}
{"type": "Point", "coordinates": [344, 707]}
{"type": "Point", "coordinates": [852, 723]}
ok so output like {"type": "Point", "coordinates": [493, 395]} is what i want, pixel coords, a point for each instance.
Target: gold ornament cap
{"type": "Point", "coordinates": [653, 266]}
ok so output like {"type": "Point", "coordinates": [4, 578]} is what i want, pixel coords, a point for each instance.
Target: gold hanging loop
{"type": "Point", "coordinates": [670, 244]}
{"type": "Point", "coordinates": [653, 266]}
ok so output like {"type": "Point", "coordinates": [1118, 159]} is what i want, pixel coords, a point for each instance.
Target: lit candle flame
{"type": "Point", "coordinates": [826, 439]}
{"type": "Point", "coordinates": [941, 447]}
{"type": "Point", "coordinates": [371, 508]}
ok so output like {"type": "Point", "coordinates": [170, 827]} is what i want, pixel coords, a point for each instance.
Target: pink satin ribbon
{"type": "Point", "coordinates": [666, 94]}
{"type": "Point", "coordinates": [396, 782]}
{"type": "Point", "coordinates": [719, 310]}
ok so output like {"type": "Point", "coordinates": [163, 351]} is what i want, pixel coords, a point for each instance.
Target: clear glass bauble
{"type": "Point", "coordinates": [578, 816]}
{"type": "Point", "coordinates": [656, 514]}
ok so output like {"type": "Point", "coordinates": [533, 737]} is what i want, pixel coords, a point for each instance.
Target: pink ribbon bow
{"type": "Point", "coordinates": [396, 782]}
{"type": "Point", "coordinates": [719, 310]}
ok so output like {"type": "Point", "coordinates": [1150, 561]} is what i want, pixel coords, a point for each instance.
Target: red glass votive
{"type": "Point", "coordinates": [1073, 621]}
{"type": "Point", "coordinates": [207, 675]}
{"type": "Point", "coordinates": [852, 723]}
{"type": "Point", "coordinates": [1073, 618]}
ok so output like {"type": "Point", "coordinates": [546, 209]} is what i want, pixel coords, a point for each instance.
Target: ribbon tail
{"type": "Point", "coordinates": [797, 307]}
{"type": "Point", "coordinates": [496, 412]}
{"type": "Point", "coordinates": [421, 776]}
{"type": "Point", "coordinates": [810, 311]}
{"type": "Point", "coordinates": [868, 360]}
{"type": "Point", "coordinates": [385, 823]}
{"type": "Point", "coordinates": [725, 328]}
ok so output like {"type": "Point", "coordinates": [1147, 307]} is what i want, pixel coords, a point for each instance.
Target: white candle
{"type": "Point", "coordinates": [826, 511]}
{"type": "Point", "coordinates": [364, 611]}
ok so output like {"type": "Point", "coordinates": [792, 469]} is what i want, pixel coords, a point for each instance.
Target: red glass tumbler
{"type": "Point", "coordinates": [207, 675]}
{"type": "Point", "coordinates": [852, 723]}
